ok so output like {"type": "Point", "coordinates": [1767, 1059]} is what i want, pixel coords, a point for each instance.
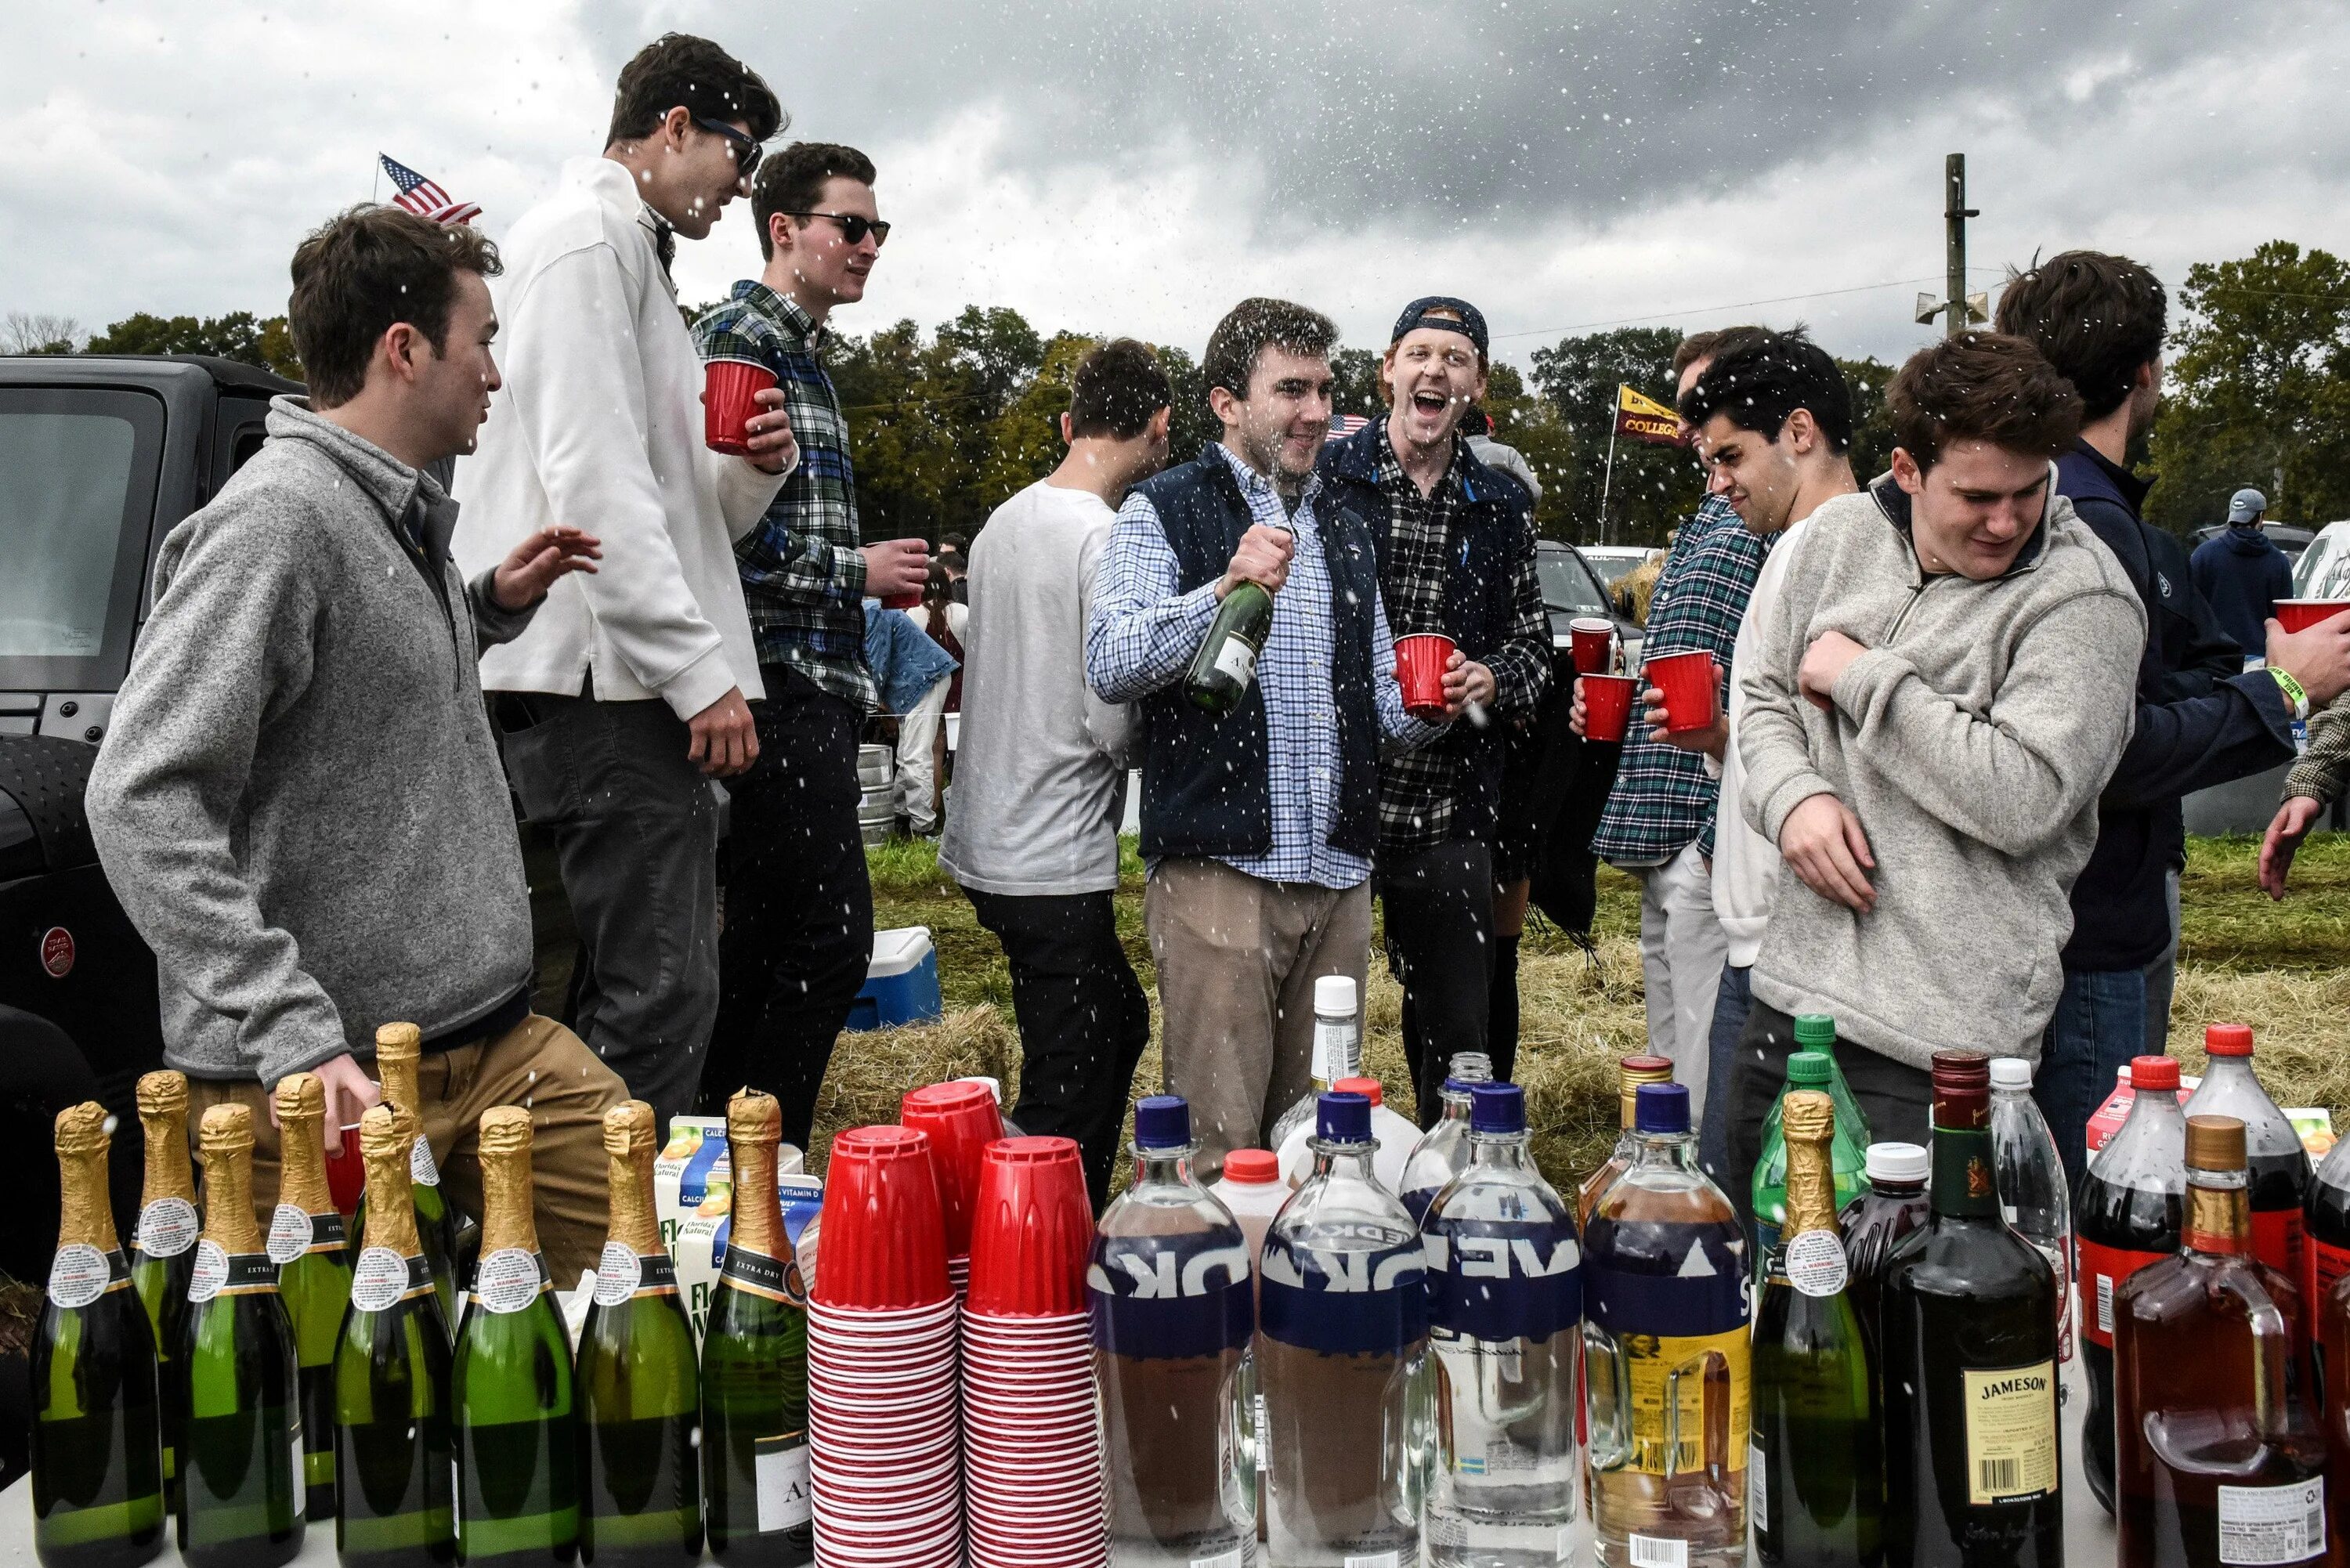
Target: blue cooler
{"type": "Point", "coordinates": [903, 984]}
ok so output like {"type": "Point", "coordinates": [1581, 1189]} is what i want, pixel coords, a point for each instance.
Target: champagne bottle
{"type": "Point", "coordinates": [397, 1049]}
{"type": "Point", "coordinates": [518, 1449]}
{"type": "Point", "coordinates": [754, 1366]}
{"type": "Point", "coordinates": [1225, 666]}
{"type": "Point", "coordinates": [314, 1273]}
{"type": "Point", "coordinates": [165, 1250]}
{"type": "Point", "coordinates": [395, 1443]}
{"type": "Point", "coordinates": [639, 1390]}
{"type": "Point", "coordinates": [241, 1475]}
{"type": "Point", "coordinates": [97, 1449]}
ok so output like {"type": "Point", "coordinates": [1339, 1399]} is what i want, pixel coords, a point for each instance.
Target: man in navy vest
{"type": "Point", "coordinates": [1258, 825]}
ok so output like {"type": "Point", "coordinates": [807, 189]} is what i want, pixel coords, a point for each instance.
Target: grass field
{"type": "Point", "coordinates": [2282, 968]}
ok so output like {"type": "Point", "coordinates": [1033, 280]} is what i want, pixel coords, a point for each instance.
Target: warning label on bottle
{"type": "Point", "coordinates": [617, 1273]}
{"type": "Point", "coordinates": [78, 1275]}
{"type": "Point", "coordinates": [1237, 659]}
{"type": "Point", "coordinates": [1817, 1264]}
{"type": "Point", "coordinates": [290, 1233]}
{"type": "Point", "coordinates": [211, 1272]}
{"type": "Point", "coordinates": [2010, 1431]}
{"type": "Point", "coordinates": [1333, 1050]}
{"type": "Point", "coordinates": [167, 1228]}
{"type": "Point", "coordinates": [378, 1279]}
{"type": "Point", "coordinates": [421, 1169]}
{"type": "Point", "coordinates": [507, 1280]}
{"type": "Point", "coordinates": [2268, 1524]}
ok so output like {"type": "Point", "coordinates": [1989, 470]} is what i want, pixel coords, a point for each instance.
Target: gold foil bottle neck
{"type": "Point", "coordinates": [1809, 1115]}
{"type": "Point", "coordinates": [505, 1146]}
{"type": "Point", "coordinates": [301, 1101]}
{"type": "Point", "coordinates": [162, 1099]}
{"type": "Point", "coordinates": [1807, 1118]}
{"type": "Point", "coordinates": [754, 1117]}
{"type": "Point", "coordinates": [164, 1094]}
{"type": "Point", "coordinates": [398, 1041]}
{"type": "Point", "coordinates": [227, 1140]}
{"type": "Point", "coordinates": [754, 1125]}
{"type": "Point", "coordinates": [397, 1048]}
{"type": "Point", "coordinates": [628, 1146]}
{"type": "Point", "coordinates": [384, 1143]}
{"type": "Point", "coordinates": [84, 1216]}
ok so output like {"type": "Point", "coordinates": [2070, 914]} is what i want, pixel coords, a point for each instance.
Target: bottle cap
{"type": "Point", "coordinates": [1345, 1116]}
{"type": "Point", "coordinates": [1334, 995]}
{"type": "Point", "coordinates": [1815, 1031]}
{"type": "Point", "coordinates": [1646, 1069]}
{"type": "Point", "coordinates": [628, 1129]}
{"type": "Point", "coordinates": [1662, 1108]}
{"type": "Point", "coordinates": [2227, 1039]}
{"type": "Point", "coordinates": [1498, 1109]}
{"type": "Point", "coordinates": [2215, 1143]}
{"type": "Point", "coordinates": [1369, 1088]}
{"type": "Point", "coordinates": [2009, 1073]}
{"type": "Point", "coordinates": [1162, 1121]}
{"type": "Point", "coordinates": [1811, 1067]}
{"type": "Point", "coordinates": [1898, 1162]}
{"type": "Point", "coordinates": [2153, 1073]}
{"type": "Point", "coordinates": [1461, 1086]}
{"type": "Point", "coordinates": [1472, 1068]}
{"type": "Point", "coordinates": [1251, 1166]}
{"type": "Point", "coordinates": [1962, 1089]}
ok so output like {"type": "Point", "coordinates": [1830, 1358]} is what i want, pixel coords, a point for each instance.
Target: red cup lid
{"type": "Point", "coordinates": [1368, 1087]}
{"type": "Point", "coordinates": [1251, 1166]}
{"type": "Point", "coordinates": [2153, 1073]}
{"type": "Point", "coordinates": [2227, 1039]}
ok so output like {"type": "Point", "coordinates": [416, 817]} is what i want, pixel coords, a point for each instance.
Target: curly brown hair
{"type": "Point", "coordinates": [1982, 386]}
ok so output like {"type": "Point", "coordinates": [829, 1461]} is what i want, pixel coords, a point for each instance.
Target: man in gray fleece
{"type": "Point", "coordinates": [299, 801]}
{"type": "Point", "coordinates": [1945, 686]}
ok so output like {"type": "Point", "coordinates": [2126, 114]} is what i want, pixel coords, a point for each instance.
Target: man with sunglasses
{"type": "Point", "coordinates": [799, 917]}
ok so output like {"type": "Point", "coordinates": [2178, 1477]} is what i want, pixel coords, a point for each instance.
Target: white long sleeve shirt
{"type": "Point", "coordinates": [599, 426]}
{"type": "Point", "coordinates": [1746, 864]}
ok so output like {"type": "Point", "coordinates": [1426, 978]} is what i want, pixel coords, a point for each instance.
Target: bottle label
{"type": "Point", "coordinates": [623, 1274]}
{"type": "Point", "coordinates": [301, 1482]}
{"type": "Point", "coordinates": [1817, 1264]}
{"type": "Point", "coordinates": [80, 1273]}
{"type": "Point", "coordinates": [507, 1280]}
{"type": "Point", "coordinates": [1333, 1049]}
{"type": "Point", "coordinates": [2103, 1269]}
{"type": "Point", "coordinates": [2322, 1262]}
{"type": "Point", "coordinates": [2010, 1431]}
{"type": "Point", "coordinates": [1501, 1279]}
{"type": "Point", "coordinates": [2268, 1525]}
{"type": "Point", "coordinates": [421, 1169]}
{"type": "Point", "coordinates": [1347, 1303]}
{"type": "Point", "coordinates": [1264, 1446]}
{"type": "Point", "coordinates": [1758, 1494]}
{"type": "Point", "coordinates": [1655, 1552]}
{"type": "Point", "coordinates": [1666, 1377]}
{"type": "Point", "coordinates": [1235, 1558]}
{"type": "Point", "coordinates": [220, 1273]}
{"type": "Point", "coordinates": [382, 1277]}
{"type": "Point", "coordinates": [1375, 1560]}
{"type": "Point", "coordinates": [329, 1233]}
{"type": "Point", "coordinates": [2277, 1241]}
{"type": "Point", "coordinates": [167, 1228]}
{"type": "Point", "coordinates": [778, 1279]}
{"type": "Point", "coordinates": [781, 1466]}
{"type": "Point", "coordinates": [1167, 1297]}
{"type": "Point", "coordinates": [289, 1233]}
{"type": "Point", "coordinates": [1237, 659]}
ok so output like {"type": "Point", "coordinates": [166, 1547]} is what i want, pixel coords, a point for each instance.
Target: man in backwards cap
{"type": "Point", "coordinates": [1455, 543]}
{"type": "Point", "coordinates": [2242, 572]}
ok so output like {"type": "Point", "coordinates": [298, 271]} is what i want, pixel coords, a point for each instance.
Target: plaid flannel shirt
{"type": "Point", "coordinates": [1664, 798]}
{"type": "Point", "coordinates": [803, 572]}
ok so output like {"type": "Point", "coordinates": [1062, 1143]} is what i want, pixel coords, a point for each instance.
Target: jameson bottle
{"type": "Point", "coordinates": [755, 1457]}
{"type": "Point", "coordinates": [2132, 1204]}
{"type": "Point", "coordinates": [1969, 1362]}
{"type": "Point", "coordinates": [2219, 1461]}
{"type": "Point", "coordinates": [97, 1468]}
{"type": "Point", "coordinates": [397, 1051]}
{"type": "Point", "coordinates": [518, 1437]}
{"type": "Point", "coordinates": [395, 1443]}
{"type": "Point", "coordinates": [1815, 1479]}
{"type": "Point", "coordinates": [163, 1251]}
{"type": "Point", "coordinates": [1225, 666]}
{"type": "Point", "coordinates": [640, 1392]}
{"type": "Point", "coordinates": [242, 1482]}
{"type": "Point", "coordinates": [1630, 1074]}
{"type": "Point", "coordinates": [314, 1273]}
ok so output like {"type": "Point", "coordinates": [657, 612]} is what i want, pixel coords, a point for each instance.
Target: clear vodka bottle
{"type": "Point", "coordinates": [1442, 1151]}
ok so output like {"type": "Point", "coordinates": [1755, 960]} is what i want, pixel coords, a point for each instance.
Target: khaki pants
{"type": "Point", "coordinates": [1237, 960]}
{"type": "Point", "coordinates": [539, 1064]}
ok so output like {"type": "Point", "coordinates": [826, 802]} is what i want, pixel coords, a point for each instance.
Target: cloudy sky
{"type": "Point", "coordinates": [1568, 165]}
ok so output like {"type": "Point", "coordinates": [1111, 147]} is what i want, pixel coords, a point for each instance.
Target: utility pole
{"type": "Point", "coordinates": [1955, 213]}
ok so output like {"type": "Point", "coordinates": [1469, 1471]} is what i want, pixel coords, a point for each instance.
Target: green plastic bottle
{"type": "Point", "coordinates": [1816, 1031]}
{"type": "Point", "coordinates": [1813, 1070]}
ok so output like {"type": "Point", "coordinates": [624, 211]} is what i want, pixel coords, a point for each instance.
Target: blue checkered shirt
{"type": "Point", "coordinates": [1144, 632]}
{"type": "Point", "coordinates": [1663, 798]}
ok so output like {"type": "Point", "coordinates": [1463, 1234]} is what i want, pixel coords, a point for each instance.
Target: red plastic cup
{"type": "Point", "coordinates": [1593, 643]}
{"type": "Point", "coordinates": [1031, 1232]}
{"type": "Point", "coordinates": [1421, 659]}
{"type": "Point", "coordinates": [2300, 615]}
{"type": "Point", "coordinates": [1607, 705]}
{"type": "Point", "coordinates": [884, 1242]}
{"type": "Point", "coordinates": [962, 1120]}
{"type": "Point", "coordinates": [730, 400]}
{"type": "Point", "coordinates": [1692, 686]}
{"type": "Point", "coordinates": [346, 1172]}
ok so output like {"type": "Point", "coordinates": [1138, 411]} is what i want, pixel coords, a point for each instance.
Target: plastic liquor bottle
{"type": "Point", "coordinates": [2326, 1228]}
{"type": "Point", "coordinates": [2331, 1310]}
{"type": "Point", "coordinates": [1816, 1479]}
{"type": "Point", "coordinates": [1441, 1152]}
{"type": "Point", "coordinates": [1225, 666]}
{"type": "Point", "coordinates": [1968, 1362]}
{"type": "Point", "coordinates": [397, 1048]}
{"type": "Point", "coordinates": [242, 1485]}
{"type": "Point", "coordinates": [308, 1244]}
{"type": "Point", "coordinates": [1630, 1074]}
{"type": "Point", "coordinates": [1252, 1189]}
{"type": "Point", "coordinates": [1874, 1223]}
{"type": "Point", "coordinates": [1807, 1069]}
{"type": "Point", "coordinates": [2280, 1166]}
{"type": "Point", "coordinates": [2219, 1461]}
{"type": "Point", "coordinates": [2131, 1203]}
{"type": "Point", "coordinates": [1337, 1054]}
{"type": "Point", "coordinates": [1394, 1134]}
{"type": "Point", "coordinates": [639, 1385]}
{"type": "Point", "coordinates": [395, 1433]}
{"type": "Point", "coordinates": [1667, 1356]}
{"type": "Point", "coordinates": [96, 1437]}
{"type": "Point", "coordinates": [517, 1427]}
{"type": "Point", "coordinates": [1172, 1309]}
{"type": "Point", "coordinates": [2033, 1196]}
{"type": "Point", "coordinates": [1342, 1330]}
{"type": "Point", "coordinates": [1504, 1331]}
{"type": "Point", "coordinates": [163, 1251]}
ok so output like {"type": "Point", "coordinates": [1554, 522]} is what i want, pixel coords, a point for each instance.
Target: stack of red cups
{"type": "Point", "coordinates": [961, 1119]}
{"type": "Point", "coordinates": [1032, 1438]}
{"type": "Point", "coordinates": [884, 1452]}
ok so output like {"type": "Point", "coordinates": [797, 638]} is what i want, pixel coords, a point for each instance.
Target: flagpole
{"type": "Point", "coordinates": [1608, 479]}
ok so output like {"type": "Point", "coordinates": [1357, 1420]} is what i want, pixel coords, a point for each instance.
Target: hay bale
{"type": "Point", "coordinates": [872, 1072]}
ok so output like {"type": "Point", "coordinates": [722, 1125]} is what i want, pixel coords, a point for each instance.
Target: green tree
{"type": "Point", "coordinates": [238, 335]}
{"type": "Point", "coordinates": [1531, 424]}
{"type": "Point", "coordinates": [1354, 378]}
{"type": "Point", "coordinates": [1872, 425]}
{"type": "Point", "coordinates": [1653, 487]}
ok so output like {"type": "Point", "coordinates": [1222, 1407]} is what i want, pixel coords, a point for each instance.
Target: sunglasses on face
{"type": "Point", "coordinates": [747, 153]}
{"type": "Point", "coordinates": [853, 228]}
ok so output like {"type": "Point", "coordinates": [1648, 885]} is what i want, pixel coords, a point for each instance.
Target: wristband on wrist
{"type": "Point", "coordinates": [2296, 696]}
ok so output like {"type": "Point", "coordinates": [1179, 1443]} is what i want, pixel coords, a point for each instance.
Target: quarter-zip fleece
{"type": "Point", "coordinates": [1971, 740]}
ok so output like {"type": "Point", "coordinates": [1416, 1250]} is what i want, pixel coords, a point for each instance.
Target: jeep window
{"type": "Point", "coordinates": [1568, 585]}
{"type": "Point", "coordinates": [77, 473]}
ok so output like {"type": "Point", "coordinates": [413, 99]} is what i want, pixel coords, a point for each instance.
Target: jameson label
{"type": "Point", "coordinates": [80, 1273]}
{"type": "Point", "coordinates": [2266, 1524]}
{"type": "Point", "coordinates": [778, 1281]}
{"type": "Point", "coordinates": [383, 1277]}
{"type": "Point", "coordinates": [167, 1228]}
{"type": "Point", "coordinates": [507, 1280]}
{"type": "Point", "coordinates": [2010, 1432]}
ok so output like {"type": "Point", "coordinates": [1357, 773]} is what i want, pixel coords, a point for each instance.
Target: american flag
{"type": "Point", "coordinates": [1345, 425]}
{"type": "Point", "coordinates": [425, 199]}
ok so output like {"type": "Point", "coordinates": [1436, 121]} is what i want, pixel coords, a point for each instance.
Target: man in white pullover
{"type": "Point", "coordinates": [630, 685]}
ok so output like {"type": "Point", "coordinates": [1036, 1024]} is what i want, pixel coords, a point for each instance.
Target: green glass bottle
{"type": "Point", "coordinates": [1812, 1070]}
{"type": "Point", "coordinates": [395, 1440]}
{"type": "Point", "coordinates": [241, 1474]}
{"type": "Point", "coordinates": [307, 1243]}
{"type": "Point", "coordinates": [639, 1389]}
{"type": "Point", "coordinates": [163, 1253]}
{"type": "Point", "coordinates": [1816, 1481]}
{"type": "Point", "coordinates": [397, 1049]}
{"type": "Point", "coordinates": [518, 1437]}
{"type": "Point", "coordinates": [754, 1366]}
{"type": "Point", "coordinates": [97, 1441]}
{"type": "Point", "coordinates": [1225, 666]}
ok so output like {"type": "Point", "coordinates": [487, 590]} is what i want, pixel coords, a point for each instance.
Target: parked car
{"type": "Point", "coordinates": [1573, 586]}
{"type": "Point", "coordinates": [1615, 562]}
{"type": "Point", "coordinates": [2293, 541]}
{"type": "Point", "coordinates": [2322, 570]}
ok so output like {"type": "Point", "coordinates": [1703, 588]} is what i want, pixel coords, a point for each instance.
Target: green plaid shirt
{"type": "Point", "coordinates": [803, 573]}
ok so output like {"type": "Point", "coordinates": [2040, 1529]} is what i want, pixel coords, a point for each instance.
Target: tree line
{"type": "Point", "coordinates": [947, 424]}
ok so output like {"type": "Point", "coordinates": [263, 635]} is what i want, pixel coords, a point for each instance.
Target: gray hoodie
{"type": "Point", "coordinates": [1971, 740]}
{"type": "Point", "coordinates": [299, 801]}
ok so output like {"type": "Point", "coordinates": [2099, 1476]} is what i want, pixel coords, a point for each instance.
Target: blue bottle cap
{"type": "Point", "coordinates": [1497, 1108]}
{"type": "Point", "coordinates": [1345, 1118]}
{"type": "Point", "coordinates": [1162, 1121]}
{"type": "Point", "coordinates": [1661, 1108]}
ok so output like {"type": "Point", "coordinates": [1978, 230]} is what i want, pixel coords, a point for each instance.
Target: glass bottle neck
{"type": "Point", "coordinates": [1965, 1186]}
{"type": "Point", "coordinates": [1657, 1150]}
{"type": "Point", "coordinates": [2219, 1212]}
{"type": "Point", "coordinates": [1164, 1166]}
{"type": "Point", "coordinates": [1499, 1151]}
{"type": "Point", "coordinates": [1332, 1157]}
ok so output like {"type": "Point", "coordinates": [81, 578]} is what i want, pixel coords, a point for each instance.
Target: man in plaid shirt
{"type": "Point", "coordinates": [799, 910]}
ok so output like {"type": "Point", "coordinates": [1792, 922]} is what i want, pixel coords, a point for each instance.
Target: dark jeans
{"type": "Point", "coordinates": [1438, 907]}
{"type": "Point", "coordinates": [1083, 1019]}
{"type": "Point", "coordinates": [636, 835]}
{"type": "Point", "coordinates": [1897, 1100]}
{"type": "Point", "coordinates": [799, 905]}
{"type": "Point", "coordinates": [1731, 1005]}
{"type": "Point", "coordinates": [2161, 980]}
{"type": "Point", "coordinates": [2099, 1025]}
